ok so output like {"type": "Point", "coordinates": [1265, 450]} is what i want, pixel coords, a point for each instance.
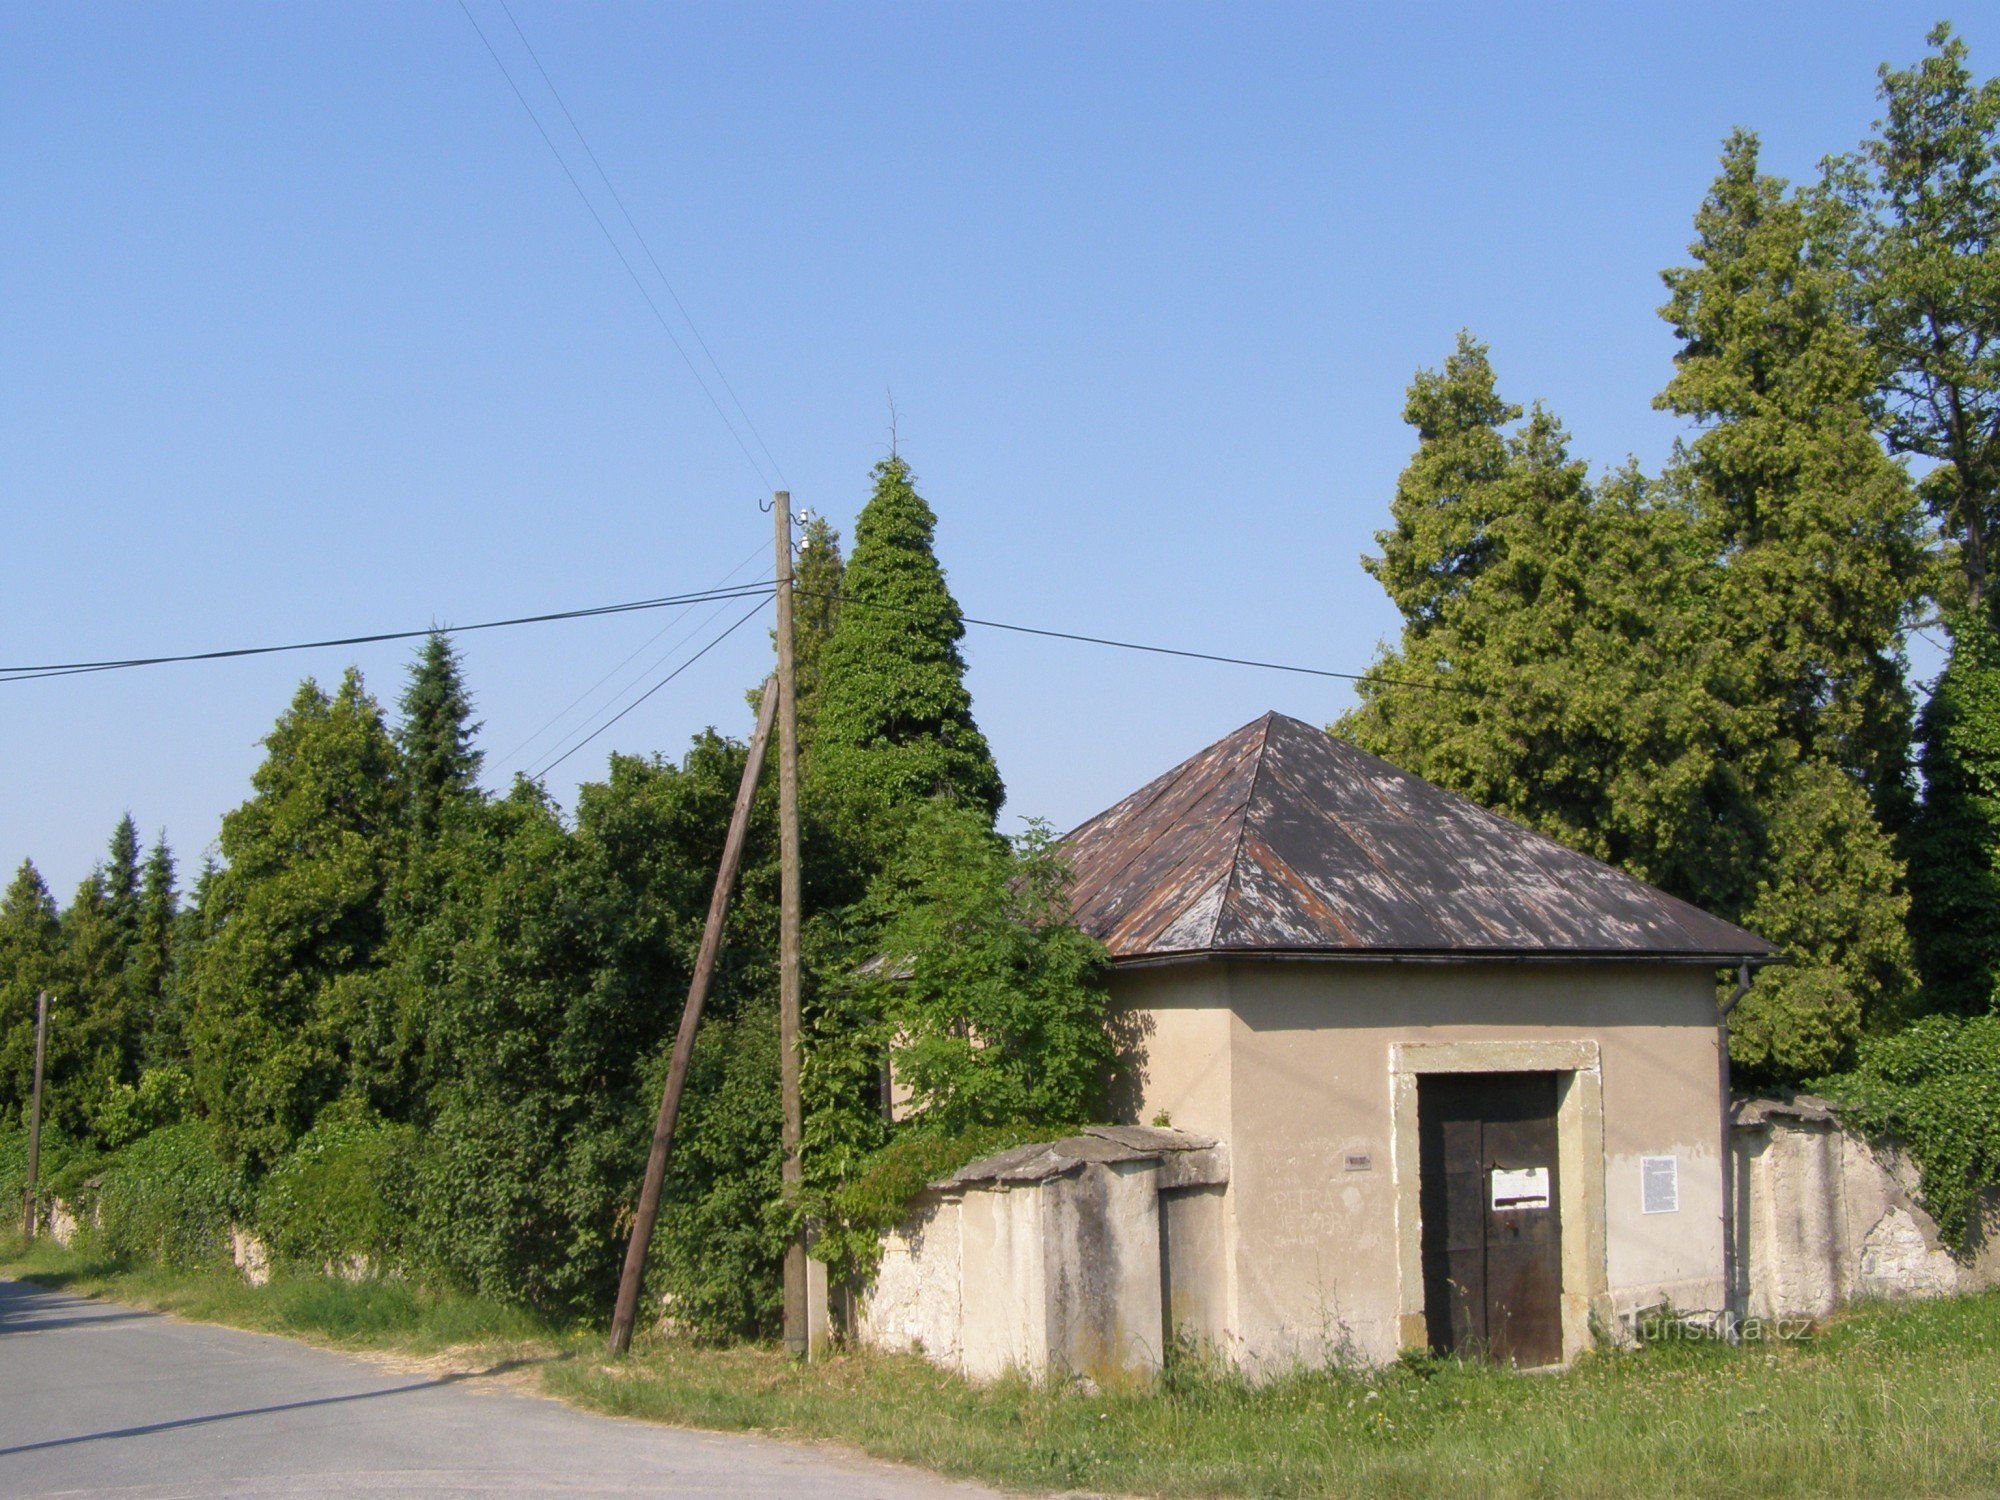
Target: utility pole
{"type": "Point", "coordinates": [796, 1338]}
{"type": "Point", "coordinates": [28, 1204]}
{"type": "Point", "coordinates": [643, 1219]}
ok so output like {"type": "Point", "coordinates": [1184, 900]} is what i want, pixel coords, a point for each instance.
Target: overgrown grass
{"type": "Point", "coordinates": [370, 1313]}
{"type": "Point", "coordinates": [1885, 1400]}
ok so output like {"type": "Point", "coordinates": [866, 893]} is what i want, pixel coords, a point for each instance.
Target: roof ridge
{"type": "Point", "coordinates": [1243, 824]}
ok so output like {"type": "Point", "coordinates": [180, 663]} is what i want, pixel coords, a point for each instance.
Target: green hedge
{"type": "Point", "coordinates": [346, 1194]}
{"type": "Point", "coordinates": [168, 1197]}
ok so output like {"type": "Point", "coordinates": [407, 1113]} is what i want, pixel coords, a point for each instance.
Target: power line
{"type": "Point", "coordinates": [68, 669]}
{"type": "Point", "coordinates": [605, 177]}
{"type": "Point", "coordinates": [1099, 640]}
{"type": "Point", "coordinates": [741, 621]}
{"type": "Point", "coordinates": [508, 759]}
{"type": "Point", "coordinates": [659, 661]}
{"type": "Point", "coordinates": [617, 249]}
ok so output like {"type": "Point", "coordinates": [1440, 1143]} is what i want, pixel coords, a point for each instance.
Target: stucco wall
{"type": "Point", "coordinates": [1828, 1217]}
{"type": "Point", "coordinates": [1303, 1094]}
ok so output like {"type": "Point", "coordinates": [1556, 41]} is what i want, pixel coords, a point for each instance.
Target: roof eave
{"type": "Point", "coordinates": [1708, 960]}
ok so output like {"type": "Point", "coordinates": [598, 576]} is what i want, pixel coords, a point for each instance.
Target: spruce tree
{"type": "Point", "coordinates": [1954, 841]}
{"type": "Point", "coordinates": [440, 767]}
{"type": "Point", "coordinates": [122, 880]}
{"type": "Point", "coordinates": [895, 723]}
{"type": "Point", "coordinates": [159, 918]}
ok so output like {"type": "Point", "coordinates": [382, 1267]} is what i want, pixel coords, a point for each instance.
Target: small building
{"type": "Point", "coordinates": [1409, 1075]}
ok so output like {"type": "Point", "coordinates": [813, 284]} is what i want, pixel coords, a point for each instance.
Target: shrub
{"type": "Point", "coordinates": [167, 1197]}
{"type": "Point", "coordinates": [345, 1194]}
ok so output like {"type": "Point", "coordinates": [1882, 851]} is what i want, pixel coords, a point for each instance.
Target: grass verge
{"type": "Point", "coordinates": [1886, 1399]}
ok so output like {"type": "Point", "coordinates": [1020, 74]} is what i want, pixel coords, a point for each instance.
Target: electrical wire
{"type": "Point", "coordinates": [617, 249]}
{"type": "Point", "coordinates": [509, 758]}
{"type": "Point", "coordinates": [67, 669]}
{"type": "Point", "coordinates": [1099, 640]}
{"type": "Point", "coordinates": [659, 661]}
{"type": "Point", "coordinates": [653, 260]}
{"type": "Point", "coordinates": [740, 622]}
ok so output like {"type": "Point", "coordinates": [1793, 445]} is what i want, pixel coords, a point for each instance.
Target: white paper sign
{"type": "Point", "coordinates": [1523, 1187]}
{"type": "Point", "coordinates": [1660, 1184]}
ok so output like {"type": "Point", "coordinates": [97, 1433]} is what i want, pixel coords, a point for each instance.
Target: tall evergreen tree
{"type": "Point", "coordinates": [159, 918]}
{"type": "Point", "coordinates": [122, 879]}
{"type": "Point", "coordinates": [818, 577]}
{"type": "Point", "coordinates": [1567, 680]}
{"type": "Point", "coordinates": [440, 766]}
{"type": "Point", "coordinates": [30, 950]}
{"type": "Point", "coordinates": [1924, 199]}
{"type": "Point", "coordinates": [895, 723]}
{"type": "Point", "coordinates": [1817, 528]}
{"type": "Point", "coordinates": [1819, 542]}
{"type": "Point", "coordinates": [1448, 500]}
{"type": "Point", "coordinates": [285, 1009]}
{"type": "Point", "coordinates": [1954, 842]}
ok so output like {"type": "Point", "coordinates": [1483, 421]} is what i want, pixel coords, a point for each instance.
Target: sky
{"type": "Point", "coordinates": [306, 333]}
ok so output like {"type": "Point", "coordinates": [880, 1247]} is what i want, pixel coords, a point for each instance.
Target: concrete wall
{"type": "Point", "coordinates": [1294, 1066]}
{"type": "Point", "coordinates": [1828, 1217]}
{"type": "Point", "coordinates": [1061, 1276]}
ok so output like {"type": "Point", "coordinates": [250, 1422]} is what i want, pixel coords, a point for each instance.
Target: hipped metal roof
{"type": "Point", "coordinates": [1282, 841]}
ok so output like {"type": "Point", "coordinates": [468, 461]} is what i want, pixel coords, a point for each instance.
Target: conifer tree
{"type": "Point", "coordinates": [122, 877]}
{"type": "Point", "coordinates": [818, 578]}
{"type": "Point", "coordinates": [440, 767]}
{"type": "Point", "coordinates": [1817, 528]}
{"type": "Point", "coordinates": [159, 918]}
{"type": "Point", "coordinates": [1954, 841]}
{"type": "Point", "coordinates": [895, 723]}
{"type": "Point", "coordinates": [30, 949]}
{"type": "Point", "coordinates": [1448, 498]}
{"type": "Point", "coordinates": [285, 1011]}
{"type": "Point", "coordinates": [1923, 195]}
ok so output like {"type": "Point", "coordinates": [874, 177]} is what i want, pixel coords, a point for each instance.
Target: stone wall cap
{"type": "Point", "coordinates": [1107, 1145]}
{"type": "Point", "coordinates": [1755, 1114]}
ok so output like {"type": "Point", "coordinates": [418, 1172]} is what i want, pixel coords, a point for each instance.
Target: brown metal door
{"type": "Point", "coordinates": [1492, 1232]}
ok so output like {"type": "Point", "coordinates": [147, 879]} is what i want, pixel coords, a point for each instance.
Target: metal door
{"type": "Point", "coordinates": [1492, 1231]}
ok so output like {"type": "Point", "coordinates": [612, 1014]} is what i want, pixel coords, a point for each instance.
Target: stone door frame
{"type": "Point", "coordinates": [1579, 1171]}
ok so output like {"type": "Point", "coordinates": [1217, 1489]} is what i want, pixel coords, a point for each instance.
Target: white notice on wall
{"type": "Point", "coordinates": [1660, 1184]}
{"type": "Point", "coordinates": [1520, 1187]}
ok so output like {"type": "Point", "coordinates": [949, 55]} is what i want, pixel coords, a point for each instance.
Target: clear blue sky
{"type": "Point", "coordinates": [305, 334]}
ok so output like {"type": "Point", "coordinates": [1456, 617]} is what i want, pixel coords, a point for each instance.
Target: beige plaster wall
{"type": "Point", "coordinates": [1291, 1064]}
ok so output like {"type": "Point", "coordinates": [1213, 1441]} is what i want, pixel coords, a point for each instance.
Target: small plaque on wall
{"type": "Point", "coordinates": [1660, 1184]}
{"type": "Point", "coordinates": [1359, 1161]}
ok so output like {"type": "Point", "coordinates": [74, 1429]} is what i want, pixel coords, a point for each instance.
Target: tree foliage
{"type": "Point", "coordinates": [894, 722]}
{"type": "Point", "coordinates": [1954, 842]}
{"type": "Point", "coordinates": [1923, 256]}
{"type": "Point", "coordinates": [1698, 678]}
{"type": "Point", "coordinates": [286, 1011]}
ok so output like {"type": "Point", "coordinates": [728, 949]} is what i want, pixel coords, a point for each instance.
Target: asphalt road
{"type": "Point", "coordinates": [98, 1399]}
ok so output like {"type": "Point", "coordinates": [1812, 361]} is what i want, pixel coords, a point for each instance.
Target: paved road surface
{"type": "Point", "coordinates": [97, 1399]}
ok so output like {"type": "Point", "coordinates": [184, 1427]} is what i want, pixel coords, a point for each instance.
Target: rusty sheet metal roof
{"type": "Point", "coordinates": [1281, 840]}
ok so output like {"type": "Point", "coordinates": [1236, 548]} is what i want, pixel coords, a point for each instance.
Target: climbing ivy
{"type": "Point", "coordinates": [1935, 1087]}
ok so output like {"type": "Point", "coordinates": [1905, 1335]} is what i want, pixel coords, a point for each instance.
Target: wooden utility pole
{"type": "Point", "coordinates": [29, 1206]}
{"type": "Point", "coordinates": [629, 1284]}
{"type": "Point", "coordinates": [796, 1339]}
